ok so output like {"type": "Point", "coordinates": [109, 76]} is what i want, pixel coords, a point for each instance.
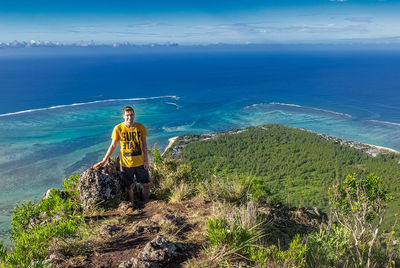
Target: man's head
{"type": "Point", "coordinates": [128, 113]}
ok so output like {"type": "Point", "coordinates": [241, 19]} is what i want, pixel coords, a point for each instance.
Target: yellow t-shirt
{"type": "Point", "coordinates": [130, 141]}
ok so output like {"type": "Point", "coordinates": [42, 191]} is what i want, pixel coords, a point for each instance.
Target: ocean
{"type": "Point", "coordinates": [58, 105]}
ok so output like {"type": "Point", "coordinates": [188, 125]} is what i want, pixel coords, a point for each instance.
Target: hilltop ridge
{"type": "Point", "coordinates": [219, 199]}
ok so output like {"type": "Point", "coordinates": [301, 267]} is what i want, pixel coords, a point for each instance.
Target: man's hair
{"type": "Point", "coordinates": [127, 109]}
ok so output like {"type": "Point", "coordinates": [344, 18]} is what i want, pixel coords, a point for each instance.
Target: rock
{"type": "Point", "coordinates": [54, 259]}
{"type": "Point", "coordinates": [99, 185]}
{"type": "Point", "coordinates": [168, 219]}
{"type": "Point", "coordinates": [243, 265]}
{"type": "Point", "coordinates": [124, 206]}
{"type": "Point", "coordinates": [312, 216]}
{"type": "Point", "coordinates": [46, 194]}
{"type": "Point", "coordinates": [157, 253]}
{"type": "Point", "coordinates": [147, 228]}
{"type": "Point", "coordinates": [108, 229]}
{"type": "Point", "coordinates": [176, 220]}
{"type": "Point", "coordinates": [126, 264]}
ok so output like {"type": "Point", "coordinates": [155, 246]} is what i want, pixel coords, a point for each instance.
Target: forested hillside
{"type": "Point", "coordinates": [228, 199]}
{"type": "Point", "coordinates": [296, 166]}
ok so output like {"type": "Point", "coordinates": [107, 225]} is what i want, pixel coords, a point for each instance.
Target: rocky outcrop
{"type": "Point", "coordinates": [157, 253]}
{"type": "Point", "coordinates": [100, 185]}
{"type": "Point", "coordinates": [283, 223]}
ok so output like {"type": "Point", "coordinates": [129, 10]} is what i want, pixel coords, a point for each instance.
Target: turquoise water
{"type": "Point", "coordinates": [64, 128]}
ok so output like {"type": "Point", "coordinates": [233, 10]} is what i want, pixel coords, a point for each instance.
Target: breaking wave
{"type": "Point", "coordinates": [300, 107]}
{"type": "Point", "coordinates": [86, 103]}
{"type": "Point", "coordinates": [174, 104]}
{"type": "Point", "coordinates": [385, 122]}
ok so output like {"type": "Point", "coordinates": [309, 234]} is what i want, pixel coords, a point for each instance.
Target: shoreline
{"type": "Point", "coordinates": [383, 148]}
{"type": "Point", "coordinates": [370, 149]}
{"type": "Point", "coordinates": [171, 141]}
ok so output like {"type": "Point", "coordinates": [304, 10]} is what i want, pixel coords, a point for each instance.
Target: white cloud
{"type": "Point", "coordinates": [360, 19]}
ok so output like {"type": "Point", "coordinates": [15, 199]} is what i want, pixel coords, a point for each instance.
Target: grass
{"type": "Point", "coordinates": [227, 218]}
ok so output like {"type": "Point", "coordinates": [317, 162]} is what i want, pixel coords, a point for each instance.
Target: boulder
{"type": "Point", "coordinates": [54, 259]}
{"type": "Point", "coordinates": [311, 216]}
{"type": "Point", "coordinates": [157, 253]}
{"type": "Point", "coordinates": [125, 207]}
{"type": "Point", "coordinates": [109, 230]}
{"type": "Point", "coordinates": [100, 185]}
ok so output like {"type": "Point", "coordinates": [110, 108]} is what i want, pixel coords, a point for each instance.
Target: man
{"type": "Point", "coordinates": [133, 153]}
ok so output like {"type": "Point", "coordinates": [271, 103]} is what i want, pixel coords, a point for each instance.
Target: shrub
{"type": "Point", "coordinates": [329, 247]}
{"type": "Point", "coordinates": [70, 186]}
{"type": "Point", "coordinates": [230, 240]}
{"type": "Point", "coordinates": [171, 181]}
{"type": "Point", "coordinates": [259, 190]}
{"type": "Point", "coordinates": [181, 192]}
{"type": "Point", "coordinates": [358, 205]}
{"type": "Point", "coordinates": [56, 204]}
{"type": "Point", "coordinates": [235, 234]}
{"type": "Point", "coordinates": [157, 157]}
{"type": "Point", "coordinates": [295, 256]}
{"type": "Point", "coordinates": [223, 189]}
{"type": "Point", "coordinates": [31, 246]}
{"type": "Point", "coordinates": [35, 226]}
{"type": "Point", "coordinates": [22, 217]}
{"type": "Point", "coordinates": [3, 252]}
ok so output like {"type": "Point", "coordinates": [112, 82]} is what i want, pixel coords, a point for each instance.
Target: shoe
{"type": "Point", "coordinates": [140, 204]}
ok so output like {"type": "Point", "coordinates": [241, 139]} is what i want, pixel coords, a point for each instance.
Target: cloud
{"type": "Point", "coordinates": [377, 40]}
{"type": "Point", "coordinates": [328, 28]}
{"type": "Point", "coordinates": [97, 30]}
{"type": "Point", "coordinates": [232, 28]}
{"type": "Point", "coordinates": [245, 28]}
{"type": "Point", "coordinates": [360, 19]}
{"type": "Point", "coordinates": [340, 1]}
{"type": "Point", "coordinates": [149, 25]}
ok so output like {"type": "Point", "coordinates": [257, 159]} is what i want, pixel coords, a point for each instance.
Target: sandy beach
{"type": "Point", "coordinates": [171, 141]}
{"type": "Point", "coordinates": [383, 148]}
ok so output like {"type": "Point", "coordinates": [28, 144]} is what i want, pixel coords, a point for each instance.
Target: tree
{"type": "Point", "coordinates": [358, 205]}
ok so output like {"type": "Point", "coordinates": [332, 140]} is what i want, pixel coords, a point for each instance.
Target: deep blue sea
{"type": "Point", "coordinates": [58, 106]}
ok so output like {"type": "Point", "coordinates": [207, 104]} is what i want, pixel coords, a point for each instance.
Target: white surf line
{"type": "Point", "coordinates": [286, 104]}
{"type": "Point", "coordinates": [174, 104]}
{"type": "Point", "coordinates": [312, 108]}
{"type": "Point", "coordinates": [384, 122]}
{"type": "Point", "coordinates": [85, 103]}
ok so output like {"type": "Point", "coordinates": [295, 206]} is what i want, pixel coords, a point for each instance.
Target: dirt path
{"type": "Point", "coordinates": [119, 236]}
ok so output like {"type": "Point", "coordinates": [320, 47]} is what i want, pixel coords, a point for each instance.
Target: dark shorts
{"type": "Point", "coordinates": [129, 173]}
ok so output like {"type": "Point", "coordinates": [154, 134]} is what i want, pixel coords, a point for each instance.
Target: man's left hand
{"type": "Point", "coordinates": [146, 165]}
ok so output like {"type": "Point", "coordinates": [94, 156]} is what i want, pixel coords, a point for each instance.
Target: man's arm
{"type": "Point", "coordinates": [110, 151]}
{"type": "Point", "coordinates": [146, 156]}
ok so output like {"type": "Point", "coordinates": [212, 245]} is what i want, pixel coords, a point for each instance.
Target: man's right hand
{"type": "Point", "coordinates": [98, 165]}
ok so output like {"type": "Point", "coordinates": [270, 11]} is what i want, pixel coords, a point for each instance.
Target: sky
{"type": "Point", "coordinates": [201, 22]}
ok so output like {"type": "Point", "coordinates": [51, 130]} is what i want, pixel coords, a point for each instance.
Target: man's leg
{"type": "Point", "coordinates": [130, 192]}
{"type": "Point", "coordinates": [127, 175]}
{"type": "Point", "coordinates": [146, 192]}
{"type": "Point", "coordinates": [142, 176]}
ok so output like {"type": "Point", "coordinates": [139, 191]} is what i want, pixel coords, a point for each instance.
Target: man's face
{"type": "Point", "coordinates": [129, 116]}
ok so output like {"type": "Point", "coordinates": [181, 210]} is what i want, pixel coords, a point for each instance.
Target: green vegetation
{"type": "Point", "coordinates": [355, 241]}
{"type": "Point", "coordinates": [35, 227]}
{"type": "Point", "coordinates": [245, 176]}
{"type": "Point", "coordinates": [291, 165]}
{"type": "Point", "coordinates": [358, 205]}
{"type": "Point", "coordinates": [171, 181]}
{"type": "Point", "coordinates": [239, 233]}
{"type": "Point", "coordinates": [329, 247]}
